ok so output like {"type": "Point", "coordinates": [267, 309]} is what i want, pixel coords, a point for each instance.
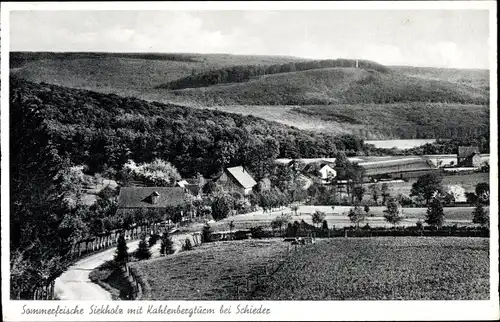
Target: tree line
{"type": "Point", "coordinates": [243, 73]}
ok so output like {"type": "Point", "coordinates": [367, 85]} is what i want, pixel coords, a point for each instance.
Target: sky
{"type": "Point", "coordinates": [433, 38]}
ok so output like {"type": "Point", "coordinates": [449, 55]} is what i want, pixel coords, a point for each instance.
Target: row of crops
{"type": "Point", "coordinates": [408, 268]}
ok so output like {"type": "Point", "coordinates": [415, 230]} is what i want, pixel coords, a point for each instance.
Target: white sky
{"type": "Point", "coordinates": [444, 38]}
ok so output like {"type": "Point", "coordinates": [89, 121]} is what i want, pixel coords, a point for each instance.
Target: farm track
{"type": "Point", "coordinates": [74, 283]}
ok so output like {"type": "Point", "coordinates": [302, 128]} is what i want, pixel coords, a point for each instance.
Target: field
{"type": "Point", "coordinates": [384, 269]}
{"type": "Point", "coordinates": [335, 269]}
{"type": "Point", "coordinates": [399, 144]}
{"type": "Point", "coordinates": [211, 271]}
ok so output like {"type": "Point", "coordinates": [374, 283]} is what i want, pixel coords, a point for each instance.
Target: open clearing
{"type": "Point", "coordinates": [407, 268]}
{"type": "Point", "coordinates": [209, 272]}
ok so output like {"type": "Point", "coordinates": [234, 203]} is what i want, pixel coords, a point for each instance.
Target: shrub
{"type": "Point", "coordinates": [121, 254]}
{"type": "Point", "coordinates": [167, 246]}
{"type": "Point", "coordinates": [153, 239]}
{"type": "Point", "coordinates": [325, 225]}
{"type": "Point", "coordinates": [480, 216]}
{"type": "Point", "coordinates": [206, 234]}
{"type": "Point", "coordinates": [187, 245]}
{"type": "Point", "coordinates": [143, 251]}
{"type": "Point", "coordinates": [257, 232]}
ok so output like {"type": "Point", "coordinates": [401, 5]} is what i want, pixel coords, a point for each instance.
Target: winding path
{"type": "Point", "coordinates": [74, 284]}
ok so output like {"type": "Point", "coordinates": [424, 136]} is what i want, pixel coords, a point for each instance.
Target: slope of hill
{"type": "Point", "coordinates": [336, 85]}
{"type": "Point", "coordinates": [457, 94]}
{"type": "Point", "coordinates": [244, 73]}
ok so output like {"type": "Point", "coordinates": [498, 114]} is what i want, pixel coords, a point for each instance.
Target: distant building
{"type": "Point", "coordinates": [157, 199]}
{"type": "Point", "coordinates": [327, 172]}
{"type": "Point", "coordinates": [469, 156]}
{"type": "Point", "coordinates": [236, 179]}
{"type": "Point", "coordinates": [323, 169]}
{"type": "Point", "coordinates": [405, 168]}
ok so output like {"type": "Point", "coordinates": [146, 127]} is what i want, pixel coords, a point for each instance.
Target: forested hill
{"type": "Point", "coordinates": [239, 74]}
{"type": "Point", "coordinates": [103, 131]}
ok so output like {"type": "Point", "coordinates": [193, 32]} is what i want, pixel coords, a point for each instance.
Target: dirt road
{"type": "Point", "coordinates": [74, 284]}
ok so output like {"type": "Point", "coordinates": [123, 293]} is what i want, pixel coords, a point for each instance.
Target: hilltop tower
{"type": "Point", "coordinates": [357, 64]}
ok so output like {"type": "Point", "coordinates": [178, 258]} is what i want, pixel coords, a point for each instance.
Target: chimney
{"type": "Point", "coordinates": [154, 197]}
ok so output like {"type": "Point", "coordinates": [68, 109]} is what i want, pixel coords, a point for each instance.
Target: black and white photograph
{"type": "Point", "coordinates": [250, 156]}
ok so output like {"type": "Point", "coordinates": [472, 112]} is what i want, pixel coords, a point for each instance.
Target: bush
{"type": "Point", "coordinates": [206, 234]}
{"type": "Point", "coordinates": [121, 254]}
{"type": "Point", "coordinates": [167, 246]}
{"type": "Point", "coordinates": [153, 239]}
{"type": "Point", "coordinates": [187, 245]}
{"type": "Point", "coordinates": [143, 251]}
{"type": "Point", "coordinates": [257, 232]}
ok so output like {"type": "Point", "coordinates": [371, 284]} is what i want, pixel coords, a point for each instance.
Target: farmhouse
{"type": "Point", "coordinates": [324, 169]}
{"type": "Point", "coordinates": [159, 200]}
{"type": "Point", "coordinates": [237, 179]}
{"type": "Point", "coordinates": [469, 156]}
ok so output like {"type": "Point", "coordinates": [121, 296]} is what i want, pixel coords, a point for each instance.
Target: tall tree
{"type": "Point", "coordinates": [480, 216]}
{"type": "Point", "coordinates": [394, 212]}
{"type": "Point", "coordinates": [427, 186]}
{"type": "Point", "coordinates": [318, 217]}
{"type": "Point", "coordinates": [356, 215]}
{"type": "Point", "coordinates": [435, 214]}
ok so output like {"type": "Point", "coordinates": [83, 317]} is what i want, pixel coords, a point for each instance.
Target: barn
{"type": "Point", "coordinates": [405, 168]}
{"type": "Point", "coordinates": [158, 200]}
{"type": "Point", "coordinates": [237, 179]}
{"type": "Point", "coordinates": [469, 156]}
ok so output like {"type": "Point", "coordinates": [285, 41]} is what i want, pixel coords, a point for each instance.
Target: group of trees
{"type": "Point", "coordinates": [238, 74]}
{"type": "Point", "coordinates": [143, 250]}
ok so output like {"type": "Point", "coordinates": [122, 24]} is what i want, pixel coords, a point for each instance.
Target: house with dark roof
{"type": "Point", "coordinates": [158, 199]}
{"type": "Point", "coordinates": [237, 179]}
{"type": "Point", "coordinates": [469, 156]}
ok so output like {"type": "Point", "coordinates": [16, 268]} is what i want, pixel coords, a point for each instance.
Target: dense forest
{"type": "Point", "coordinates": [103, 131]}
{"type": "Point", "coordinates": [238, 74]}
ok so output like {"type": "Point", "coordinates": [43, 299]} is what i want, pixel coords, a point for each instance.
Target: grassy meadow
{"type": "Point", "coordinates": [211, 271]}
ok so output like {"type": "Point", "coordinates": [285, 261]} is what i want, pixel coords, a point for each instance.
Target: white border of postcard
{"type": "Point", "coordinates": [284, 310]}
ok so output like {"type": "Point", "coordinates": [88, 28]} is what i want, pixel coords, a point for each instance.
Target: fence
{"type": "Point", "coordinates": [44, 292]}
{"type": "Point", "coordinates": [89, 246]}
